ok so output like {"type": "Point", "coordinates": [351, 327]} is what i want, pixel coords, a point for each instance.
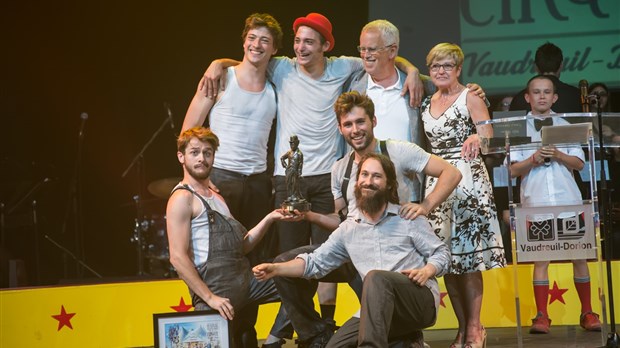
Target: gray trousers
{"type": "Point", "coordinates": [297, 295]}
{"type": "Point", "coordinates": [393, 308]}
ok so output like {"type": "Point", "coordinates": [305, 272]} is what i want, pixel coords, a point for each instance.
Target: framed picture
{"type": "Point", "coordinates": [200, 329]}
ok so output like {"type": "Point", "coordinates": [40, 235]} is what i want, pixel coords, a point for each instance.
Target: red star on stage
{"type": "Point", "coordinates": [441, 296]}
{"type": "Point", "coordinates": [556, 293]}
{"type": "Point", "coordinates": [64, 318]}
{"type": "Point", "coordinates": [182, 307]}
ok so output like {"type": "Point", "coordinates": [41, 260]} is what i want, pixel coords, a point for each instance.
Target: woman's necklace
{"type": "Point", "coordinates": [448, 98]}
{"type": "Point", "coordinates": [442, 102]}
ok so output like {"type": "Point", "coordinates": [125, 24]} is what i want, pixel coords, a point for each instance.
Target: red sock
{"type": "Point", "coordinates": [583, 290]}
{"type": "Point", "coordinates": [541, 295]}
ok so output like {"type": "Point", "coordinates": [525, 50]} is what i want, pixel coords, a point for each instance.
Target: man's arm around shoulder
{"type": "Point", "coordinates": [198, 109]}
{"type": "Point", "coordinates": [448, 177]}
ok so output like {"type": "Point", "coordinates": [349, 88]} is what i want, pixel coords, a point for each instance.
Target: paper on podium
{"type": "Point", "coordinates": [510, 128]}
{"type": "Point", "coordinates": [566, 133]}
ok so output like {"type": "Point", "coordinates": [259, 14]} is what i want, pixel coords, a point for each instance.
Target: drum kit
{"type": "Point", "coordinates": [149, 232]}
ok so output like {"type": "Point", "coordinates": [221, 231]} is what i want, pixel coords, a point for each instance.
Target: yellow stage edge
{"type": "Point", "coordinates": [121, 314]}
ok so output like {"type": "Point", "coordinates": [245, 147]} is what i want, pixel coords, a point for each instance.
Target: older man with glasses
{"type": "Point", "coordinates": [398, 116]}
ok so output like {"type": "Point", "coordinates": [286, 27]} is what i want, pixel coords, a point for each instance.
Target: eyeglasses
{"type": "Point", "coordinates": [446, 67]}
{"type": "Point", "coordinates": [600, 94]}
{"type": "Point", "coordinates": [372, 50]}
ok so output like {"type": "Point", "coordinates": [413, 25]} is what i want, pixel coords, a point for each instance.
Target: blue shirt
{"type": "Point", "coordinates": [391, 244]}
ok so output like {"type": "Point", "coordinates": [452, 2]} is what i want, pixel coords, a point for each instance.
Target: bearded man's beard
{"type": "Point", "coordinates": [199, 175]}
{"type": "Point", "coordinates": [371, 202]}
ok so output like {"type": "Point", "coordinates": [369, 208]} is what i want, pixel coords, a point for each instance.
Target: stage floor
{"type": "Point", "coordinates": [560, 336]}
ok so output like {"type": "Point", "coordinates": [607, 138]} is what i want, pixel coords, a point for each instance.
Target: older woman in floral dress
{"type": "Point", "coordinates": [467, 220]}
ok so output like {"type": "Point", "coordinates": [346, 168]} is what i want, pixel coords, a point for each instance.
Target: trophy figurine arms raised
{"type": "Point", "coordinates": [293, 162]}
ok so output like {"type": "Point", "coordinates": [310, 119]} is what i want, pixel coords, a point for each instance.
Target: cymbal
{"type": "Point", "coordinates": [161, 188]}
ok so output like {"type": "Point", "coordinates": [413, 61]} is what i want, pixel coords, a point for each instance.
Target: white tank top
{"type": "Point", "coordinates": [242, 121]}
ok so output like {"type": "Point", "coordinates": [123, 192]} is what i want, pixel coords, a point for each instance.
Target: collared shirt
{"type": "Point", "coordinates": [390, 110]}
{"type": "Point", "coordinates": [553, 183]}
{"type": "Point", "coordinates": [391, 244]}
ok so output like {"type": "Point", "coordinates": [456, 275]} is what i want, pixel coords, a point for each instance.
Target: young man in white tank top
{"type": "Point", "coordinates": [242, 115]}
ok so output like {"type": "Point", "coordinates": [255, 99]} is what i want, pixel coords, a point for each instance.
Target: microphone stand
{"type": "Point", "coordinates": [612, 337]}
{"type": "Point", "coordinates": [36, 188]}
{"type": "Point", "coordinates": [139, 161]}
{"type": "Point", "coordinates": [74, 207]}
{"type": "Point", "coordinates": [35, 223]}
{"type": "Point", "coordinates": [68, 252]}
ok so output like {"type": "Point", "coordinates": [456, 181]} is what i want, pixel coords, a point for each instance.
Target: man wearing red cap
{"type": "Point", "coordinates": [307, 87]}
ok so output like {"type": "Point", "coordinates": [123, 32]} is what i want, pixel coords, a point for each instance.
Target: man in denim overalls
{"type": "Point", "coordinates": [207, 245]}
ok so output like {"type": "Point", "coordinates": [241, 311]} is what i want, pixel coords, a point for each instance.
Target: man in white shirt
{"type": "Point", "coordinates": [398, 117]}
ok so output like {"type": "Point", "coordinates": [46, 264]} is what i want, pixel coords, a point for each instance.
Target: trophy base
{"type": "Point", "coordinates": [301, 205]}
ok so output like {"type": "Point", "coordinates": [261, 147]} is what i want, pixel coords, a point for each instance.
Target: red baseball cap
{"type": "Point", "coordinates": [319, 23]}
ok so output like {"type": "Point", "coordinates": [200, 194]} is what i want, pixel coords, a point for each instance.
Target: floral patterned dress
{"type": "Point", "coordinates": [467, 220]}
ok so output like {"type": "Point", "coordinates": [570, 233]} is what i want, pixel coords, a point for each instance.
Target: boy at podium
{"type": "Point", "coordinates": [547, 177]}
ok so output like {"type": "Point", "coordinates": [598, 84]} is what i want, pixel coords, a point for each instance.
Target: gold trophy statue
{"type": "Point", "coordinates": [293, 161]}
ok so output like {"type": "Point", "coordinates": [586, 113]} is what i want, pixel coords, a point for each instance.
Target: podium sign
{"type": "Point", "coordinates": [555, 232]}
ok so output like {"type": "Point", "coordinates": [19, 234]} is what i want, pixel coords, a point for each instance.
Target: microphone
{"type": "Point", "coordinates": [546, 160]}
{"type": "Point", "coordinates": [167, 107]}
{"type": "Point", "coordinates": [593, 99]}
{"type": "Point", "coordinates": [84, 117]}
{"type": "Point", "coordinates": [583, 88]}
